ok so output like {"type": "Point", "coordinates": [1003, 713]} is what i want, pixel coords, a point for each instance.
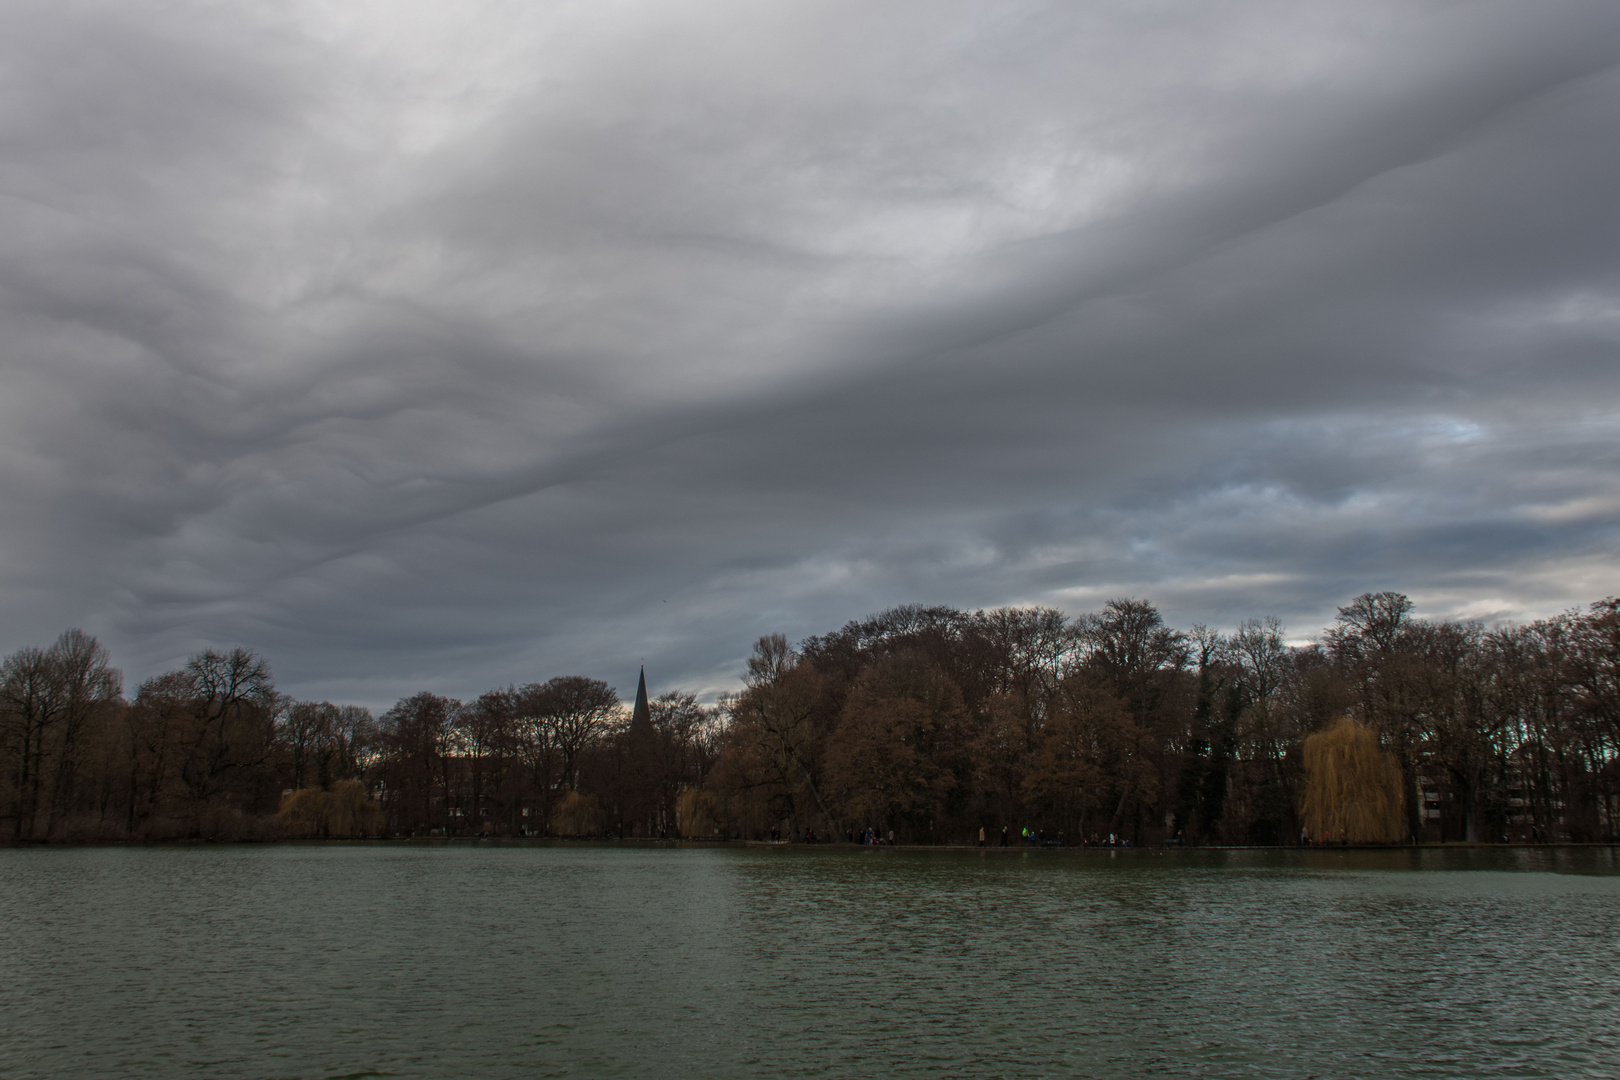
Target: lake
{"type": "Point", "coordinates": [530, 961]}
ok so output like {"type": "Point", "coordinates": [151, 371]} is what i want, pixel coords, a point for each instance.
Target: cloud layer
{"type": "Point", "coordinates": [447, 346]}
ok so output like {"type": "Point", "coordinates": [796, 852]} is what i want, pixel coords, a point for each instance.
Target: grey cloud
{"type": "Point", "coordinates": [422, 348]}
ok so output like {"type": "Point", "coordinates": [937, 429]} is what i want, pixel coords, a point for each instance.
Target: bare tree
{"type": "Point", "coordinates": [90, 685]}
{"type": "Point", "coordinates": [577, 711]}
{"type": "Point", "coordinates": [416, 737]}
{"type": "Point", "coordinates": [48, 698]}
{"type": "Point", "coordinates": [306, 732]}
{"type": "Point", "coordinates": [232, 706]}
{"type": "Point", "coordinates": [775, 716]}
{"type": "Point", "coordinates": [32, 704]}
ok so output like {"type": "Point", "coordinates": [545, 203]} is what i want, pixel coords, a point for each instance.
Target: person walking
{"type": "Point", "coordinates": [981, 836]}
{"type": "Point", "coordinates": [1004, 836]}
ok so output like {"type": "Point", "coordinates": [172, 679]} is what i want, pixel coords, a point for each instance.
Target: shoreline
{"type": "Point", "coordinates": [784, 845]}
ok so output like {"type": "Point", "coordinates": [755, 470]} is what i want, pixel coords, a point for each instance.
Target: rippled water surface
{"type": "Point", "coordinates": [463, 961]}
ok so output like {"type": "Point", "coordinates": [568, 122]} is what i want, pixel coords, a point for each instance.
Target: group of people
{"type": "Point", "coordinates": [1026, 837]}
{"type": "Point", "coordinates": [1037, 838]}
{"type": "Point", "coordinates": [869, 835]}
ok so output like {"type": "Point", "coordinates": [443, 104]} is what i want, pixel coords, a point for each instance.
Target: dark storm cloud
{"type": "Point", "coordinates": [439, 348]}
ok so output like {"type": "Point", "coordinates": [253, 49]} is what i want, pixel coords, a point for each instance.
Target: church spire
{"type": "Point", "coordinates": [642, 714]}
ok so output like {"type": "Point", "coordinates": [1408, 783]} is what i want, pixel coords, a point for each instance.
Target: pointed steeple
{"type": "Point", "coordinates": [641, 717]}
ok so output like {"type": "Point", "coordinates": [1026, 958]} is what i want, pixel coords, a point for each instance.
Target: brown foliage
{"type": "Point", "coordinates": [930, 721]}
{"type": "Point", "coordinates": [776, 738]}
{"type": "Point", "coordinates": [887, 762]}
{"type": "Point", "coordinates": [1070, 769]}
{"type": "Point", "coordinates": [341, 812]}
{"type": "Point", "coordinates": [578, 815]}
{"type": "Point", "coordinates": [1353, 789]}
{"type": "Point", "coordinates": [696, 813]}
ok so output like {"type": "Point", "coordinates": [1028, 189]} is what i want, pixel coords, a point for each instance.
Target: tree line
{"type": "Point", "coordinates": [927, 722]}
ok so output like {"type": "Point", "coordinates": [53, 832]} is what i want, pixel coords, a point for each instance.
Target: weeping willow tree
{"type": "Point", "coordinates": [695, 812]}
{"type": "Point", "coordinates": [343, 811]}
{"type": "Point", "coordinates": [1353, 789]}
{"type": "Point", "coordinates": [578, 815]}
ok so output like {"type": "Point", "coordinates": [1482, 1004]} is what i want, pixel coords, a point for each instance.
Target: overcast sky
{"type": "Point", "coordinates": [444, 346]}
